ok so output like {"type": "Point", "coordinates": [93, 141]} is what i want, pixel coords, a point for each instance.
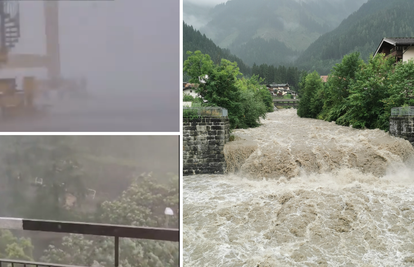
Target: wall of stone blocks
{"type": "Point", "coordinates": [204, 139]}
{"type": "Point", "coordinates": [403, 127]}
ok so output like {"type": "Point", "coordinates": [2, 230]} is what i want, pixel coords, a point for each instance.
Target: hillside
{"type": "Point", "coordinates": [362, 32]}
{"type": "Point", "coordinates": [271, 52]}
{"type": "Point", "coordinates": [288, 27]}
{"type": "Point", "coordinates": [193, 40]}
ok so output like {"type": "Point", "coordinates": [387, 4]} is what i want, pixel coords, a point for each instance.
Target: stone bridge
{"type": "Point", "coordinates": [285, 102]}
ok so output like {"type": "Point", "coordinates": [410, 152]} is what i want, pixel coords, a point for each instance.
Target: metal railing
{"type": "Point", "coordinates": [205, 111]}
{"type": "Point", "coordinates": [116, 231]}
{"type": "Point", "coordinates": [402, 111]}
{"type": "Point", "coordinates": [285, 100]}
{"type": "Point", "coordinates": [19, 263]}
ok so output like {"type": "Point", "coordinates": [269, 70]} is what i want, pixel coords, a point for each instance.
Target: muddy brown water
{"type": "Point", "coordinates": [311, 194]}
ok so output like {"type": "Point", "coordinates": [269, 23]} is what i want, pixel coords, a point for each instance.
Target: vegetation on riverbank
{"type": "Point", "coordinates": [358, 93]}
{"type": "Point", "coordinates": [223, 85]}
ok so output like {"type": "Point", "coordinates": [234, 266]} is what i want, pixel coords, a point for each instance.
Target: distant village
{"type": "Point", "coordinates": [275, 89]}
{"type": "Point", "coordinates": [281, 89]}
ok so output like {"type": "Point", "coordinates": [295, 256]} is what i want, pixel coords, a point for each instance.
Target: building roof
{"type": "Point", "coordinates": [396, 41]}
{"type": "Point", "coordinates": [190, 86]}
{"type": "Point", "coordinates": [324, 78]}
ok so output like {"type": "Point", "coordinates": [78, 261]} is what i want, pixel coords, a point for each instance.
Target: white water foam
{"type": "Point", "coordinates": [350, 201]}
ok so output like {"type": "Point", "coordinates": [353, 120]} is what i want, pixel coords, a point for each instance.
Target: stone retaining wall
{"type": "Point", "coordinates": [402, 126]}
{"type": "Point", "coordinates": [204, 140]}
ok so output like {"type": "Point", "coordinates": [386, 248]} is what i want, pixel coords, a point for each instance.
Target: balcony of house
{"type": "Point", "coordinates": [114, 232]}
{"type": "Point", "coordinates": [397, 54]}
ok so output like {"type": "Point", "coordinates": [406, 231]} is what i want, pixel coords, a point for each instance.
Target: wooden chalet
{"type": "Point", "coordinates": [402, 48]}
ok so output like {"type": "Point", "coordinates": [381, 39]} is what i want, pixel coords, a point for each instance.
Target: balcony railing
{"type": "Point", "coordinates": [18, 263]}
{"type": "Point", "coordinates": [116, 231]}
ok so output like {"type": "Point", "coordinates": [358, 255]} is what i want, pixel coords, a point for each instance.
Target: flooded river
{"type": "Point", "coordinates": [311, 194]}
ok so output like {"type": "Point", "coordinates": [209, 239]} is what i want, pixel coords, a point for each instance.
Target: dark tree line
{"type": "Point", "coordinates": [263, 51]}
{"type": "Point", "coordinates": [281, 74]}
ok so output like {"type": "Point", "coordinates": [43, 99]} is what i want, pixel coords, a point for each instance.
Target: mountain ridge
{"type": "Point", "coordinates": [242, 25]}
{"type": "Point", "coordinates": [193, 40]}
{"type": "Point", "coordinates": [361, 32]}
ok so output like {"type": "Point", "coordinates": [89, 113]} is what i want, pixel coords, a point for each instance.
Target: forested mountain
{"type": "Point", "coordinates": [270, 52]}
{"type": "Point", "coordinates": [274, 32]}
{"type": "Point", "coordinates": [193, 40]}
{"type": "Point", "coordinates": [361, 32]}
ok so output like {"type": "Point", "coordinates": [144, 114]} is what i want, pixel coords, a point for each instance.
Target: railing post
{"type": "Point", "coordinates": [116, 251]}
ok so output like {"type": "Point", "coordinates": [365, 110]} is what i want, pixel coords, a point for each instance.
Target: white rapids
{"type": "Point", "coordinates": [304, 192]}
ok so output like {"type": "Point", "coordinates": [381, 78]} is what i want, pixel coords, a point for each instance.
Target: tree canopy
{"type": "Point", "coordinates": [359, 94]}
{"type": "Point", "coordinates": [222, 85]}
{"type": "Point", "coordinates": [142, 204]}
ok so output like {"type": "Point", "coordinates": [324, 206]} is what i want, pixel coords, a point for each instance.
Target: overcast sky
{"type": "Point", "coordinates": [205, 2]}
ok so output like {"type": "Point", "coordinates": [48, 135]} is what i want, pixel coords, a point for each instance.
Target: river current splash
{"type": "Point", "coordinates": [304, 192]}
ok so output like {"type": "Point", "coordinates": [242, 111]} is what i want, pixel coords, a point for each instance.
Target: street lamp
{"type": "Point", "coordinates": [168, 212]}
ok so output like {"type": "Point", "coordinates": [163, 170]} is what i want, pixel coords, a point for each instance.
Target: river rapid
{"type": "Point", "coordinates": [304, 192]}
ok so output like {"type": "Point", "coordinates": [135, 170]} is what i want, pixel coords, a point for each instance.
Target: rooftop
{"type": "Point", "coordinates": [190, 86]}
{"type": "Point", "coordinates": [400, 40]}
{"type": "Point", "coordinates": [396, 41]}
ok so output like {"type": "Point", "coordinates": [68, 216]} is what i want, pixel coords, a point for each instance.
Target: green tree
{"type": "Point", "coordinates": [188, 98]}
{"type": "Point", "coordinates": [338, 85]}
{"type": "Point", "coordinates": [220, 85]}
{"type": "Point", "coordinates": [308, 107]}
{"type": "Point", "coordinates": [255, 84]}
{"type": "Point", "coordinates": [194, 100]}
{"type": "Point", "coordinates": [15, 248]}
{"type": "Point", "coordinates": [253, 108]}
{"type": "Point", "coordinates": [400, 90]}
{"type": "Point", "coordinates": [267, 99]}
{"type": "Point", "coordinates": [142, 204]}
{"type": "Point", "coordinates": [219, 88]}
{"type": "Point", "coordinates": [366, 94]}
